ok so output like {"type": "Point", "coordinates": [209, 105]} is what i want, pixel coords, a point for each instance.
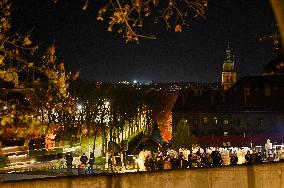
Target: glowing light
{"type": "Point", "coordinates": [140, 164]}
{"type": "Point", "coordinates": [106, 104]}
{"type": "Point", "coordinates": [79, 107]}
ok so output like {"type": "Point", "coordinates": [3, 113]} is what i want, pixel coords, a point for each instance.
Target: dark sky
{"type": "Point", "coordinates": [196, 54]}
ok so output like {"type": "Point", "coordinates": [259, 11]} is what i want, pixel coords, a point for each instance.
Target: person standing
{"type": "Point", "coordinates": [84, 159]}
{"type": "Point", "coordinates": [174, 162]}
{"type": "Point", "coordinates": [91, 163]}
{"type": "Point", "coordinates": [267, 147]}
{"type": "Point", "coordinates": [69, 160]}
{"type": "Point", "coordinates": [82, 166]}
{"type": "Point", "coordinates": [147, 163]}
{"type": "Point", "coordinates": [233, 159]}
{"type": "Point", "coordinates": [167, 163]}
{"type": "Point", "coordinates": [248, 158]}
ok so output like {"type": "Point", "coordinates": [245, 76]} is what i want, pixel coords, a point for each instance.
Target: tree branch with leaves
{"type": "Point", "coordinates": [128, 17]}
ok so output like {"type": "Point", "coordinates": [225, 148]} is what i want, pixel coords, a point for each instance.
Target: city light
{"type": "Point", "coordinates": [79, 107]}
{"type": "Point", "coordinates": [106, 103]}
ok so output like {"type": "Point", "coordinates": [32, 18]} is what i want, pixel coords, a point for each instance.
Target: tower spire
{"type": "Point", "coordinates": [228, 54]}
{"type": "Point", "coordinates": [229, 74]}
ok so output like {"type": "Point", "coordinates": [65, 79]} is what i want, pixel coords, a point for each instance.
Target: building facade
{"type": "Point", "coordinates": [252, 106]}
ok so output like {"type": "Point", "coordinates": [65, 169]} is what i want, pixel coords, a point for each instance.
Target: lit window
{"type": "Point", "coordinates": [226, 122]}
{"type": "Point", "coordinates": [247, 91]}
{"type": "Point", "coordinates": [267, 91]}
{"type": "Point", "coordinates": [195, 121]}
{"type": "Point", "coordinates": [205, 120]}
{"type": "Point", "coordinates": [215, 120]}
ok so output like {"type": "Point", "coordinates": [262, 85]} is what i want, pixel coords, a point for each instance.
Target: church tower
{"type": "Point", "coordinates": [229, 74]}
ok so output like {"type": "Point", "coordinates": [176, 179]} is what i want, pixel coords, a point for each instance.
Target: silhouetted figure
{"type": "Point", "coordinates": [148, 164]}
{"type": "Point", "coordinates": [174, 163]}
{"type": "Point", "coordinates": [207, 160]}
{"type": "Point", "coordinates": [248, 157]}
{"type": "Point", "coordinates": [216, 158]}
{"type": "Point", "coordinates": [233, 159]}
{"type": "Point", "coordinates": [160, 163]}
{"type": "Point", "coordinates": [258, 157]}
{"type": "Point", "coordinates": [91, 163]}
{"type": "Point", "coordinates": [84, 159]}
{"type": "Point", "coordinates": [69, 160]}
{"type": "Point", "coordinates": [182, 161]}
{"type": "Point", "coordinates": [190, 161]}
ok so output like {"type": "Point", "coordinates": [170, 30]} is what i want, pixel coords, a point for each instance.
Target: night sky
{"type": "Point", "coordinates": [196, 54]}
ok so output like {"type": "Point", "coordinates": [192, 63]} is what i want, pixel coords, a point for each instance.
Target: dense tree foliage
{"type": "Point", "coordinates": [182, 137]}
{"type": "Point", "coordinates": [32, 80]}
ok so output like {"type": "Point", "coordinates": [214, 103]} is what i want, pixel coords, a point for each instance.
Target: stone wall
{"type": "Point", "coordinates": [270, 175]}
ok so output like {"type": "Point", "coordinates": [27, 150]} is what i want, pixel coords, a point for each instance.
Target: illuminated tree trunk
{"type": "Point", "coordinates": [278, 8]}
{"type": "Point", "coordinates": [94, 146]}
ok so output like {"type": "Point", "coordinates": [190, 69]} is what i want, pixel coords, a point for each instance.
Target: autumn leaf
{"type": "Point", "coordinates": [178, 28]}
{"type": "Point", "coordinates": [109, 29]}
{"type": "Point", "coordinates": [51, 50]}
{"type": "Point", "coordinates": [99, 18]}
{"type": "Point", "coordinates": [27, 41]}
{"type": "Point", "coordinates": [155, 2]}
{"type": "Point", "coordinates": [85, 5]}
{"type": "Point", "coordinates": [3, 121]}
{"type": "Point", "coordinates": [1, 59]}
{"type": "Point", "coordinates": [75, 75]}
{"type": "Point", "coordinates": [61, 66]}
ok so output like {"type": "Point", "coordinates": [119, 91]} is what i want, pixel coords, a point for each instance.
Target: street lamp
{"type": "Point", "coordinates": [79, 108]}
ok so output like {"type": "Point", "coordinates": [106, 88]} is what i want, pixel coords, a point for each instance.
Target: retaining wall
{"type": "Point", "coordinates": [270, 175]}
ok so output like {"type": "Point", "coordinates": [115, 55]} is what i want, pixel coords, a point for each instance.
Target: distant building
{"type": "Point", "coordinates": [252, 106]}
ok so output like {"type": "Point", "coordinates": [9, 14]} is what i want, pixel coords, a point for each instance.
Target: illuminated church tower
{"type": "Point", "coordinates": [229, 74]}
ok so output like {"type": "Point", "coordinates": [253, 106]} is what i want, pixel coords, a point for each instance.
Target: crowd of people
{"type": "Point", "coordinates": [212, 156]}
{"type": "Point", "coordinates": [167, 159]}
